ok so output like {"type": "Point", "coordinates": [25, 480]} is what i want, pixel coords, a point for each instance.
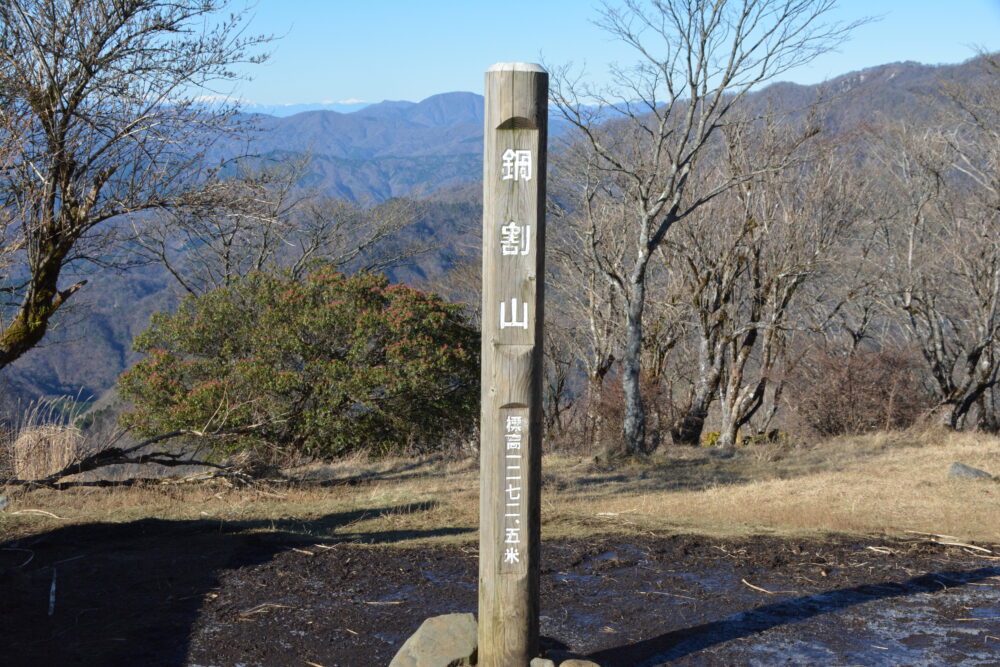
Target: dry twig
{"type": "Point", "coordinates": [881, 550]}
{"type": "Point", "coordinates": [943, 537]}
{"type": "Point", "coordinates": [673, 595]}
{"type": "Point", "coordinates": [764, 590]}
{"type": "Point", "coordinates": [966, 546]}
{"type": "Point", "coordinates": [264, 607]}
{"type": "Point", "coordinates": [951, 541]}
{"type": "Point", "coordinates": [31, 554]}
{"type": "Point", "coordinates": [33, 511]}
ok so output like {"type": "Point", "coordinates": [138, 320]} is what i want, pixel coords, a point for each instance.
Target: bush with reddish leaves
{"type": "Point", "coordinates": [858, 393]}
{"type": "Point", "coordinates": [322, 367]}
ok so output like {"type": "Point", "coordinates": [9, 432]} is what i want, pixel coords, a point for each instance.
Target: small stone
{"type": "Point", "coordinates": [576, 662]}
{"type": "Point", "coordinates": [561, 655]}
{"type": "Point", "coordinates": [962, 471]}
{"type": "Point", "coordinates": [541, 662]}
{"type": "Point", "coordinates": [448, 640]}
{"type": "Point", "coordinates": [3, 503]}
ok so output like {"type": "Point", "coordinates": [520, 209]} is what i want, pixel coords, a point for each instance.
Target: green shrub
{"type": "Point", "coordinates": [321, 367]}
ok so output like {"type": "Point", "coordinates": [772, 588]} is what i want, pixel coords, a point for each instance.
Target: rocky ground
{"type": "Point", "coordinates": [158, 592]}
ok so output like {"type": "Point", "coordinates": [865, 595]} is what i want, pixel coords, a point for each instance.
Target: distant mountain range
{"type": "Point", "coordinates": [393, 149]}
{"type": "Point", "coordinates": [431, 150]}
{"type": "Point", "coordinates": [384, 150]}
{"type": "Point", "coordinates": [282, 110]}
{"type": "Point", "coordinates": [446, 124]}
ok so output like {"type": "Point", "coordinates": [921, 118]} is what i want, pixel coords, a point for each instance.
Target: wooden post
{"type": "Point", "coordinates": [511, 426]}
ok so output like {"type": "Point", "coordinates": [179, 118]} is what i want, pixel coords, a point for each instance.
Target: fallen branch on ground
{"type": "Point", "coordinates": [264, 607]}
{"type": "Point", "coordinates": [951, 541]}
{"type": "Point", "coordinates": [881, 550]}
{"type": "Point", "coordinates": [967, 546]}
{"type": "Point", "coordinates": [119, 456]}
{"type": "Point", "coordinates": [764, 590]}
{"type": "Point", "coordinates": [31, 554]}
{"type": "Point", "coordinates": [43, 512]}
{"type": "Point", "coordinates": [943, 537]}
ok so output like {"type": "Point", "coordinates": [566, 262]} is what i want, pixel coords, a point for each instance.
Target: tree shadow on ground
{"type": "Point", "coordinates": [695, 473]}
{"type": "Point", "coordinates": [687, 641]}
{"type": "Point", "coordinates": [129, 593]}
{"type": "Point", "coordinates": [403, 471]}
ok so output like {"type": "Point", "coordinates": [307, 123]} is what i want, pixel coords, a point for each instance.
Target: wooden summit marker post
{"type": "Point", "coordinates": [513, 279]}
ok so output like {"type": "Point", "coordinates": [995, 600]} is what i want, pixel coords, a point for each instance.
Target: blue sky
{"type": "Point", "coordinates": [334, 50]}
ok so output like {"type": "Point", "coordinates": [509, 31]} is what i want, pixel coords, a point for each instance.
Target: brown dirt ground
{"type": "Point", "coordinates": [157, 592]}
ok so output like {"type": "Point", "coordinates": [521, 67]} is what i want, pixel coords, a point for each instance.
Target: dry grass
{"type": "Point", "coordinates": [38, 438]}
{"type": "Point", "coordinates": [40, 451]}
{"type": "Point", "coordinates": [882, 484]}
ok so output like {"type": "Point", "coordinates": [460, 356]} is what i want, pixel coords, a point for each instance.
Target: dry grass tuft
{"type": "Point", "coordinates": [39, 451]}
{"type": "Point", "coordinates": [37, 439]}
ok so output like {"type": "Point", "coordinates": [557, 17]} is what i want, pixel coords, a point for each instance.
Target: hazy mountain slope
{"type": "Point", "coordinates": [385, 150]}
{"type": "Point", "coordinates": [90, 345]}
{"type": "Point", "coordinates": [378, 179]}
{"type": "Point", "coordinates": [346, 106]}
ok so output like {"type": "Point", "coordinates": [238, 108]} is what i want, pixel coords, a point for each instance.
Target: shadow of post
{"type": "Point", "coordinates": [687, 641]}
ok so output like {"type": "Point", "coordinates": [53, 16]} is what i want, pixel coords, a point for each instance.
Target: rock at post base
{"type": "Point", "coordinates": [962, 471]}
{"type": "Point", "coordinates": [541, 662]}
{"type": "Point", "coordinates": [440, 641]}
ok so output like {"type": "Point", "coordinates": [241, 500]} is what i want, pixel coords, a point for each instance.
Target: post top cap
{"type": "Point", "coordinates": [516, 67]}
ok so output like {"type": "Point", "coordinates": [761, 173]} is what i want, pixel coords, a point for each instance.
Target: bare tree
{"type": "Point", "coordinates": [12, 238]}
{"type": "Point", "coordinates": [103, 98]}
{"type": "Point", "coordinates": [796, 228]}
{"type": "Point", "coordinates": [942, 249]}
{"type": "Point", "coordinates": [354, 236]}
{"type": "Point", "coordinates": [224, 231]}
{"type": "Point", "coordinates": [261, 219]}
{"type": "Point", "coordinates": [584, 296]}
{"type": "Point", "coordinates": [697, 61]}
{"type": "Point", "coordinates": [747, 256]}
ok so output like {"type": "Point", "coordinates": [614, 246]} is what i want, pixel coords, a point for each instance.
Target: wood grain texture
{"type": "Point", "coordinates": [516, 119]}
